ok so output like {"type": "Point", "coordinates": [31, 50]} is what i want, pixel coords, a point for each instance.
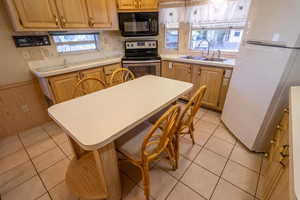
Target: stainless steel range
{"type": "Point", "coordinates": [141, 57]}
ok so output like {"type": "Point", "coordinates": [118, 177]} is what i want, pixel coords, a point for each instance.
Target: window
{"type": "Point", "coordinates": [170, 16]}
{"type": "Point", "coordinates": [172, 37]}
{"type": "Point", "coordinates": [218, 24]}
{"type": "Point", "coordinates": [75, 42]}
{"type": "Point", "coordinates": [219, 39]}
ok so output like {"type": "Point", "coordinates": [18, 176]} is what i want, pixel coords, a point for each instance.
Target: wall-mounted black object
{"type": "Point", "coordinates": [135, 24]}
{"type": "Point", "coordinates": [31, 40]}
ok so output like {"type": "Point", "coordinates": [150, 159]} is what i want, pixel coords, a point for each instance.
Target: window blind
{"type": "Point", "coordinates": [172, 12]}
{"type": "Point", "coordinates": [217, 13]}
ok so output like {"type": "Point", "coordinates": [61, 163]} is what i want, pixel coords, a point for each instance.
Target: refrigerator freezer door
{"type": "Point", "coordinates": [254, 81]}
{"type": "Point", "coordinates": [275, 21]}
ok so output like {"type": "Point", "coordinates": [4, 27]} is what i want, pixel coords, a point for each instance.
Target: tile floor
{"type": "Point", "coordinates": [217, 167]}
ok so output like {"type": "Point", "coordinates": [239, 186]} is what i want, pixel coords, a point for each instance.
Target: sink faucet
{"type": "Point", "coordinates": [208, 46]}
{"type": "Point", "coordinates": [218, 53]}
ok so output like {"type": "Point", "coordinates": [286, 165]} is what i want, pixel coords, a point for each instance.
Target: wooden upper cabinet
{"type": "Point", "coordinates": [63, 86]}
{"type": "Point", "coordinates": [36, 13]}
{"type": "Point", "coordinates": [148, 4]}
{"type": "Point", "coordinates": [212, 78]}
{"type": "Point", "coordinates": [72, 13]}
{"type": "Point", "coordinates": [127, 4]}
{"type": "Point", "coordinates": [98, 13]}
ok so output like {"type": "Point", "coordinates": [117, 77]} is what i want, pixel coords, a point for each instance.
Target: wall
{"type": "Point", "coordinates": [22, 104]}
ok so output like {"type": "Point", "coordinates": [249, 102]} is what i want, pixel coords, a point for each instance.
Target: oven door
{"type": "Point", "coordinates": [138, 24]}
{"type": "Point", "coordinates": [142, 69]}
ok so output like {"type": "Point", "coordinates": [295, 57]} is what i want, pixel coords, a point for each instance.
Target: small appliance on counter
{"type": "Point", "coordinates": [137, 24]}
{"type": "Point", "coordinates": [141, 57]}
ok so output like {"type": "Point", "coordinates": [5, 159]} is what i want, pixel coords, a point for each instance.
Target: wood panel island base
{"type": "Point", "coordinates": [94, 175]}
{"type": "Point", "coordinates": [94, 121]}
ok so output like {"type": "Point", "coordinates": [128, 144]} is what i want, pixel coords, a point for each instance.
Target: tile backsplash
{"type": "Point", "coordinates": [110, 42]}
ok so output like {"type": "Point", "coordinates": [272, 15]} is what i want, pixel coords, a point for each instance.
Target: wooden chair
{"type": "Point", "coordinates": [186, 120]}
{"type": "Point", "coordinates": [88, 85]}
{"type": "Point", "coordinates": [189, 112]}
{"type": "Point", "coordinates": [121, 75]}
{"type": "Point", "coordinates": [146, 142]}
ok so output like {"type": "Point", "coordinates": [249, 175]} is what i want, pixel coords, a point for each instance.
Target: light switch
{"type": "Point", "coordinates": [275, 37]}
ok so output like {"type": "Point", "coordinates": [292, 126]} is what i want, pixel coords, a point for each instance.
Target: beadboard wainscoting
{"type": "Point", "coordinates": [22, 106]}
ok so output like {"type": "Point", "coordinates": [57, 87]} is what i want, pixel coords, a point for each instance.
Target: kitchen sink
{"type": "Point", "coordinates": [193, 57]}
{"type": "Point", "coordinates": [215, 59]}
{"type": "Point", "coordinates": [204, 58]}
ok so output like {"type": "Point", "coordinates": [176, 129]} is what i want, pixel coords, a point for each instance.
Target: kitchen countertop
{"type": "Point", "coordinates": [228, 63]}
{"type": "Point", "coordinates": [143, 97]}
{"type": "Point", "coordinates": [56, 69]}
{"type": "Point", "coordinates": [295, 140]}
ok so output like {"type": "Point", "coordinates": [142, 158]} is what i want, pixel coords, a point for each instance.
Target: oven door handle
{"type": "Point", "coordinates": [140, 61]}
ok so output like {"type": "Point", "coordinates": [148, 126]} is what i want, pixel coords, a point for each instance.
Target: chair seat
{"type": "Point", "coordinates": [130, 143]}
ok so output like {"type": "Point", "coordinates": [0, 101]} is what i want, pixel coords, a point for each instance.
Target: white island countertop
{"type": "Point", "coordinates": [97, 119]}
{"type": "Point", "coordinates": [56, 69]}
{"type": "Point", "coordinates": [295, 141]}
{"type": "Point", "coordinates": [228, 63]}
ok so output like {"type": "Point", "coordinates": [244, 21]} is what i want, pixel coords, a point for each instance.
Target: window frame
{"type": "Point", "coordinates": [165, 38]}
{"type": "Point", "coordinates": [95, 41]}
{"type": "Point", "coordinates": [191, 29]}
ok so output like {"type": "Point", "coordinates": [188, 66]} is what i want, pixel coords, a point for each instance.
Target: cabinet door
{"type": "Point", "coordinates": [127, 4]}
{"type": "Point", "coordinates": [212, 78]}
{"type": "Point", "coordinates": [167, 70]}
{"type": "Point", "coordinates": [73, 13]}
{"type": "Point", "coordinates": [108, 70]}
{"type": "Point", "coordinates": [63, 86]}
{"type": "Point", "coordinates": [37, 13]}
{"type": "Point", "coordinates": [93, 86]}
{"type": "Point", "coordinates": [148, 4]}
{"type": "Point", "coordinates": [99, 13]}
{"type": "Point", "coordinates": [183, 72]}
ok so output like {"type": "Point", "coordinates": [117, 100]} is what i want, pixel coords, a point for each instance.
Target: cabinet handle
{"type": "Point", "coordinates": [272, 141]}
{"type": "Point", "coordinates": [56, 20]}
{"type": "Point", "coordinates": [199, 72]}
{"type": "Point", "coordinates": [63, 20]}
{"type": "Point", "coordinates": [91, 22]}
{"type": "Point", "coordinates": [136, 4]}
{"type": "Point", "coordinates": [286, 110]}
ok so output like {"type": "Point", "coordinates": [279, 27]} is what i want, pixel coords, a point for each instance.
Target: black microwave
{"type": "Point", "coordinates": [134, 24]}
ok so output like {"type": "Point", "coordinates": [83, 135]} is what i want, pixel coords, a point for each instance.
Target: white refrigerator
{"type": "Point", "coordinates": [267, 65]}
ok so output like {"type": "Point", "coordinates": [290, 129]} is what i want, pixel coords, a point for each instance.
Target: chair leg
{"type": "Point", "coordinates": [172, 156]}
{"type": "Point", "coordinates": [177, 150]}
{"type": "Point", "coordinates": [146, 180]}
{"type": "Point", "coordinates": [191, 132]}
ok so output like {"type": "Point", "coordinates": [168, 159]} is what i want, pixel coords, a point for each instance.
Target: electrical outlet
{"type": "Point", "coordinates": [26, 55]}
{"type": "Point", "coordinates": [25, 108]}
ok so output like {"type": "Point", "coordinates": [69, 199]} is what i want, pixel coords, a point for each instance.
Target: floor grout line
{"type": "Point", "coordinates": [35, 169]}
{"type": "Point", "coordinates": [219, 178]}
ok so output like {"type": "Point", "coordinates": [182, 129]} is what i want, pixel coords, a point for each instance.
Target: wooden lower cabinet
{"type": "Point", "coordinates": [274, 180]}
{"type": "Point", "coordinates": [213, 79]}
{"type": "Point", "coordinates": [167, 70]}
{"type": "Point", "coordinates": [62, 86]}
{"type": "Point", "coordinates": [108, 70]}
{"type": "Point", "coordinates": [97, 73]}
